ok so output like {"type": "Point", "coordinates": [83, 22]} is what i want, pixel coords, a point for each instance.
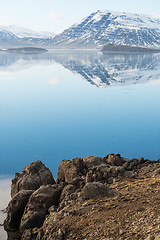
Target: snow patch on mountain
{"type": "Point", "coordinates": [7, 35]}
{"type": "Point", "coordinates": [103, 27]}
{"type": "Point", "coordinates": [25, 32]}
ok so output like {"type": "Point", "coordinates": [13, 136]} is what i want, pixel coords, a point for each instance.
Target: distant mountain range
{"type": "Point", "coordinates": [19, 37]}
{"type": "Point", "coordinates": [25, 32]}
{"type": "Point", "coordinates": [95, 31]}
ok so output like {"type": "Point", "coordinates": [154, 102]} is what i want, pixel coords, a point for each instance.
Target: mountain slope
{"type": "Point", "coordinates": [7, 37]}
{"type": "Point", "coordinates": [25, 32]}
{"type": "Point", "coordinates": [103, 27]}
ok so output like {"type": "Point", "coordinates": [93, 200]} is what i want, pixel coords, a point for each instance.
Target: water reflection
{"type": "Point", "coordinates": [50, 113]}
{"type": "Point", "coordinates": [99, 69]}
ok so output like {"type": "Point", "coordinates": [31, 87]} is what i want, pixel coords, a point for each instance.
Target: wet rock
{"type": "Point", "coordinates": [96, 190]}
{"type": "Point", "coordinates": [38, 205]}
{"type": "Point", "coordinates": [66, 172]}
{"type": "Point", "coordinates": [114, 160]}
{"type": "Point", "coordinates": [16, 208]}
{"type": "Point", "coordinates": [31, 178]}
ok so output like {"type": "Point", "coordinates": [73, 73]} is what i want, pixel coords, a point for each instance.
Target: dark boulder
{"type": "Point", "coordinates": [67, 171]}
{"type": "Point", "coordinates": [114, 160]}
{"type": "Point", "coordinates": [104, 173]}
{"type": "Point", "coordinates": [31, 178]}
{"type": "Point", "coordinates": [134, 164]}
{"type": "Point", "coordinates": [91, 161]}
{"type": "Point", "coordinates": [80, 166]}
{"type": "Point", "coordinates": [96, 190]}
{"type": "Point", "coordinates": [16, 208]}
{"type": "Point", "coordinates": [38, 205]}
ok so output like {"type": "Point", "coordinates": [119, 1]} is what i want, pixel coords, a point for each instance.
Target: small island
{"type": "Point", "coordinates": [26, 50]}
{"type": "Point", "coordinates": [128, 49]}
{"type": "Point", "coordinates": [92, 198]}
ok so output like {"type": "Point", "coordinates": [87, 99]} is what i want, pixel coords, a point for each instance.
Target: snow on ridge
{"type": "Point", "coordinates": [127, 20]}
{"type": "Point", "coordinates": [25, 32]}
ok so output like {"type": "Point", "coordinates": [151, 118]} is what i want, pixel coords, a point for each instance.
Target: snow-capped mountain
{"type": "Point", "coordinates": [7, 37]}
{"type": "Point", "coordinates": [103, 27]}
{"type": "Point", "coordinates": [25, 32]}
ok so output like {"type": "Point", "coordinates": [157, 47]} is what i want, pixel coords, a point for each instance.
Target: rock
{"type": "Point", "coordinates": [66, 172]}
{"type": "Point", "coordinates": [31, 178]}
{"type": "Point", "coordinates": [51, 228]}
{"type": "Point", "coordinates": [150, 237]}
{"type": "Point", "coordinates": [67, 191]}
{"type": "Point", "coordinates": [129, 174]}
{"type": "Point", "coordinates": [13, 235]}
{"type": "Point", "coordinates": [135, 164]}
{"type": "Point", "coordinates": [37, 207]}
{"type": "Point", "coordinates": [91, 161]}
{"type": "Point", "coordinates": [30, 234]}
{"type": "Point", "coordinates": [76, 207]}
{"type": "Point", "coordinates": [104, 173]}
{"type": "Point", "coordinates": [151, 170]}
{"type": "Point", "coordinates": [67, 195]}
{"type": "Point", "coordinates": [80, 166]}
{"type": "Point", "coordinates": [16, 208]}
{"type": "Point", "coordinates": [114, 160]}
{"type": "Point", "coordinates": [157, 237]}
{"type": "Point", "coordinates": [96, 190]}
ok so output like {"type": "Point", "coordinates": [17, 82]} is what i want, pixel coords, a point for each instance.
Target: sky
{"type": "Point", "coordinates": [57, 15]}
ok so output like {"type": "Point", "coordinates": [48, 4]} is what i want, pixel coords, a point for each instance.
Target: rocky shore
{"type": "Point", "coordinates": [108, 198]}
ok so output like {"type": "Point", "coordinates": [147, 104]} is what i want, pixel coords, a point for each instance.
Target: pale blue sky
{"type": "Point", "coordinates": [56, 15]}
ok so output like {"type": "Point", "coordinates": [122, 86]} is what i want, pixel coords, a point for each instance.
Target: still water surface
{"type": "Point", "coordinates": [70, 104]}
{"type": "Point", "coordinates": [65, 104]}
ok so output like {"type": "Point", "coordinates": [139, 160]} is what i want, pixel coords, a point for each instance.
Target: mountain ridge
{"type": "Point", "coordinates": [22, 32]}
{"type": "Point", "coordinates": [98, 29]}
{"type": "Point", "coordinates": [103, 27]}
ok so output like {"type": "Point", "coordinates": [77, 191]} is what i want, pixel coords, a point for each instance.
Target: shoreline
{"type": "Point", "coordinates": [84, 191]}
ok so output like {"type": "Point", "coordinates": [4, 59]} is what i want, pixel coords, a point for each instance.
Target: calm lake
{"type": "Point", "coordinates": [65, 104]}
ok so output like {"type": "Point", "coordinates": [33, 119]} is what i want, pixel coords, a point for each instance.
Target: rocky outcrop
{"type": "Point", "coordinates": [85, 190]}
{"type": "Point", "coordinates": [37, 207]}
{"type": "Point", "coordinates": [31, 178]}
{"type": "Point", "coordinates": [96, 190]}
{"type": "Point", "coordinates": [30, 234]}
{"type": "Point", "coordinates": [114, 160]}
{"type": "Point", "coordinates": [91, 161]}
{"type": "Point", "coordinates": [16, 208]}
{"type": "Point", "coordinates": [66, 172]}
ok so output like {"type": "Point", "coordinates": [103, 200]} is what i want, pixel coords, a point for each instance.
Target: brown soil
{"type": "Point", "coordinates": [134, 214]}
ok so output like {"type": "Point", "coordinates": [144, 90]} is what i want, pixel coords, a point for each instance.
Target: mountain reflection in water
{"type": "Point", "coordinates": [60, 105]}
{"type": "Point", "coordinates": [99, 69]}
